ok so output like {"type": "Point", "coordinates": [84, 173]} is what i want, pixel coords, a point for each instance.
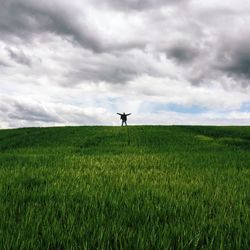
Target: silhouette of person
{"type": "Point", "coordinates": [123, 117]}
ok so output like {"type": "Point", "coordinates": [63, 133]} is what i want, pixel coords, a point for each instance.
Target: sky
{"type": "Point", "coordinates": [80, 62]}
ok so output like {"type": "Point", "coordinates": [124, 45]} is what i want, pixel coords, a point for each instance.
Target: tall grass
{"type": "Point", "coordinates": [145, 187]}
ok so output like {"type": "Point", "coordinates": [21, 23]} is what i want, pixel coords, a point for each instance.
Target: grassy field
{"type": "Point", "coordinates": [142, 187]}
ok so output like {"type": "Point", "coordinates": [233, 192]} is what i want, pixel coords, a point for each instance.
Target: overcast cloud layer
{"type": "Point", "coordinates": [166, 61]}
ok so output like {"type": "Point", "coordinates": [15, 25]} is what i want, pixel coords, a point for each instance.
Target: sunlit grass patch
{"type": "Point", "coordinates": [234, 141]}
{"type": "Point", "coordinates": [204, 138]}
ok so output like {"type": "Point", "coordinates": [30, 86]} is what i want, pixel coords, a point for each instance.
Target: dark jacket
{"type": "Point", "coordinates": [123, 116]}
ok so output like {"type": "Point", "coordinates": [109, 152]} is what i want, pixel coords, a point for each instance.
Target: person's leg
{"type": "Point", "coordinates": [122, 123]}
{"type": "Point", "coordinates": [126, 123]}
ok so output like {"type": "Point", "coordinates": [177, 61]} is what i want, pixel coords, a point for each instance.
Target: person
{"type": "Point", "coordinates": [123, 117]}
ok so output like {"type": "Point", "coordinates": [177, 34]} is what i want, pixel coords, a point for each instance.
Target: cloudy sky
{"type": "Point", "coordinates": [166, 61]}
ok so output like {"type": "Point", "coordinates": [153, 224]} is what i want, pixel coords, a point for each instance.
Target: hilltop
{"type": "Point", "coordinates": [136, 187]}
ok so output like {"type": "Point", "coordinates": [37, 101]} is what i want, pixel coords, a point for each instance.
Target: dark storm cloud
{"type": "Point", "coordinates": [233, 59]}
{"type": "Point", "coordinates": [26, 19]}
{"type": "Point", "coordinates": [117, 74]}
{"type": "Point", "coordinates": [238, 62]}
{"type": "Point", "coordinates": [182, 53]}
{"type": "Point", "coordinates": [16, 112]}
{"type": "Point", "coordinates": [139, 4]}
{"type": "Point", "coordinates": [240, 66]}
{"type": "Point", "coordinates": [19, 57]}
{"type": "Point", "coordinates": [32, 112]}
{"type": "Point", "coordinates": [16, 109]}
{"type": "Point", "coordinates": [118, 68]}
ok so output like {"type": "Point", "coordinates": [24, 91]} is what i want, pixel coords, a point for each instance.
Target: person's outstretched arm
{"type": "Point", "coordinates": [129, 114]}
{"type": "Point", "coordinates": [118, 114]}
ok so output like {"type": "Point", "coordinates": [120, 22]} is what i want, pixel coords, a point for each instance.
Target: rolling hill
{"type": "Point", "coordinates": [137, 187]}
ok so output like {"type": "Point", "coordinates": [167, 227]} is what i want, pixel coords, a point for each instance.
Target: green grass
{"type": "Point", "coordinates": [142, 187]}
